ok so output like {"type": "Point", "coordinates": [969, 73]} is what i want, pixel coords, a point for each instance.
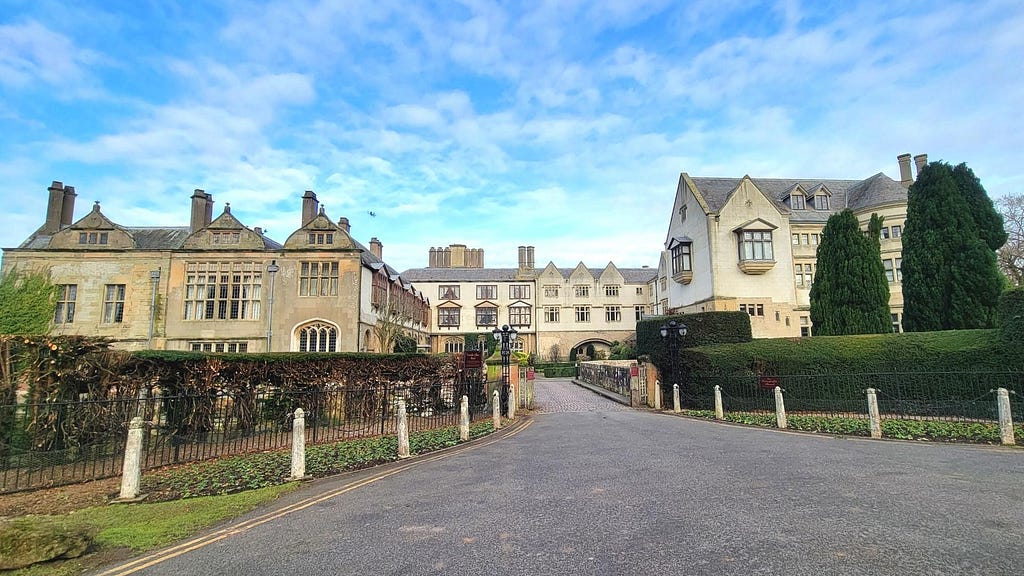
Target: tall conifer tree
{"type": "Point", "coordinates": [850, 294]}
{"type": "Point", "coordinates": [951, 279]}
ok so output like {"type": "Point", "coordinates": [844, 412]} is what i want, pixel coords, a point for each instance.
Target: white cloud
{"type": "Point", "coordinates": [31, 52]}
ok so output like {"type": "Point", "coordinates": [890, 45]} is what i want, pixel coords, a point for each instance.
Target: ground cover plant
{"type": "Point", "coordinates": [938, 430]}
{"type": "Point", "coordinates": [252, 471]}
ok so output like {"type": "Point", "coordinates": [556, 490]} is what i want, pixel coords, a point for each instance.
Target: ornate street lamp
{"type": "Point", "coordinates": [505, 335]}
{"type": "Point", "coordinates": [673, 333]}
{"type": "Point", "coordinates": [272, 269]}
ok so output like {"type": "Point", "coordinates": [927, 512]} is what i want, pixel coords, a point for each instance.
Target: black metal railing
{"type": "Point", "coordinates": [610, 377]}
{"type": "Point", "coordinates": [62, 443]}
{"type": "Point", "coordinates": [947, 396]}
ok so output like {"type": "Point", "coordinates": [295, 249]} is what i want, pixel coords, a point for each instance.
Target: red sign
{"type": "Point", "coordinates": [529, 373]}
{"type": "Point", "coordinates": [768, 382]}
{"type": "Point", "coordinates": [634, 371]}
{"type": "Point", "coordinates": [474, 360]}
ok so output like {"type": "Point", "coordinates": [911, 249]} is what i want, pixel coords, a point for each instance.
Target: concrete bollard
{"type": "Point", "coordinates": [657, 394]}
{"type": "Point", "coordinates": [131, 472]}
{"type": "Point", "coordinates": [780, 409]}
{"type": "Point", "coordinates": [464, 419]}
{"type": "Point", "coordinates": [512, 401]}
{"type": "Point", "coordinates": [1005, 418]}
{"type": "Point", "coordinates": [298, 445]}
{"type": "Point", "coordinates": [719, 411]}
{"type": "Point", "coordinates": [496, 410]}
{"type": "Point", "coordinates": [403, 430]}
{"type": "Point", "coordinates": [876, 420]}
{"type": "Point", "coordinates": [675, 399]}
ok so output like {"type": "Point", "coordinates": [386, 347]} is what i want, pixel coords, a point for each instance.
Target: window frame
{"type": "Point", "coordinates": [491, 318]}
{"type": "Point", "coordinates": [582, 314]}
{"type": "Point", "coordinates": [444, 317]}
{"type": "Point", "coordinates": [486, 291]}
{"type": "Point", "coordinates": [449, 292]}
{"type": "Point", "coordinates": [113, 303]}
{"type": "Point", "coordinates": [67, 296]}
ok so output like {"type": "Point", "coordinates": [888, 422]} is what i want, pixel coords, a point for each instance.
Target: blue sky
{"type": "Point", "coordinates": [563, 125]}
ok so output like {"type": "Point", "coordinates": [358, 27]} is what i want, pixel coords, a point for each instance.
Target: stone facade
{"type": "Point", "coordinates": [553, 309]}
{"type": "Point", "coordinates": [217, 285]}
{"type": "Point", "coordinates": [750, 244]}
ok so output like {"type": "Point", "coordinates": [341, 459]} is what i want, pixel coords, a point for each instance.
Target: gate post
{"type": "Point", "coordinates": [298, 445]}
{"type": "Point", "coordinates": [719, 411]}
{"type": "Point", "coordinates": [780, 408]}
{"type": "Point", "coordinates": [1005, 418]}
{"type": "Point", "coordinates": [464, 418]}
{"type": "Point", "coordinates": [496, 410]}
{"type": "Point", "coordinates": [131, 472]}
{"type": "Point", "coordinates": [876, 420]}
{"type": "Point", "coordinates": [675, 399]}
{"type": "Point", "coordinates": [657, 394]}
{"type": "Point", "coordinates": [403, 429]}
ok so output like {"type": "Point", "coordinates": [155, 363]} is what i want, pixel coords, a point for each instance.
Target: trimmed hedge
{"type": "Point", "coordinates": [945, 351]}
{"type": "Point", "coordinates": [1011, 317]}
{"type": "Point", "coordinates": [560, 371]}
{"type": "Point", "coordinates": [703, 329]}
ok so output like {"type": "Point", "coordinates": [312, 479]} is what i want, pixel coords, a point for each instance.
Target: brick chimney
{"type": "Point", "coordinates": [921, 160]}
{"type": "Point", "coordinates": [208, 216]}
{"type": "Point", "coordinates": [906, 178]}
{"type": "Point", "coordinates": [200, 208]}
{"type": "Point", "coordinates": [67, 210]}
{"type": "Point", "coordinates": [376, 248]}
{"type": "Point", "coordinates": [54, 208]}
{"type": "Point", "coordinates": [309, 207]}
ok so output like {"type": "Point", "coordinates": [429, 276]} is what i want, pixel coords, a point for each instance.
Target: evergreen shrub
{"type": "Point", "coordinates": [1011, 317]}
{"type": "Point", "coordinates": [703, 328]}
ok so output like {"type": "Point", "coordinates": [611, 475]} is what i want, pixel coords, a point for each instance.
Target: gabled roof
{"type": "Point", "coordinates": [630, 275]}
{"type": "Point", "coordinates": [855, 194]}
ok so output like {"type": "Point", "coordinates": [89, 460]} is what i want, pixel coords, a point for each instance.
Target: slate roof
{"type": "Point", "coordinates": [146, 238]}
{"type": "Point", "coordinates": [855, 194]}
{"type": "Point", "coordinates": [631, 275]}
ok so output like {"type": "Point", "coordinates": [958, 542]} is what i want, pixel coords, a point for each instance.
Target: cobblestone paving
{"type": "Point", "coordinates": [557, 395]}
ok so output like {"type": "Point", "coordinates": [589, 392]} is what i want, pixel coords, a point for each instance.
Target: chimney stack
{"type": "Point", "coordinates": [432, 260]}
{"type": "Point", "coordinates": [921, 160]}
{"type": "Point", "coordinates": [522, 258]}
{"type": "Point", "coordinates": [258, 231]}
{"type": "Point", "coordinates": [906, 178]}
{"type": "Point", "coordinates": [309, 207]}
{"type": "Point", "coordinates": [200, 208]}
{"type": "Point", "coordinates": [67, 210]}
{"type": "Point", "coordinates": [344, 225]}
{"type": "Point", "coordinates": [376, 248]}
{"type": "Point", "coordinates": [54, 207]}
{"type": "Point", "coordinates": [529, 258]}
{"type": "Point", "coordinates": [208, 216]}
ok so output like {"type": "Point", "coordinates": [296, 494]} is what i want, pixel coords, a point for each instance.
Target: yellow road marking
{"type": "Point", "coordinates": [203, 541]}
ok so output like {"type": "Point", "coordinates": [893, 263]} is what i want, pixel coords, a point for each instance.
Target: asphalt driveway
{"type": "Point", "coordinates": [586, 487]}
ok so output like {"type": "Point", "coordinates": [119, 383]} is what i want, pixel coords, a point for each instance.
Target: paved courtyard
{"type": "Point", "coordinates": [558, 395]}
{"type": "Point", "coordinates": [586, 486]}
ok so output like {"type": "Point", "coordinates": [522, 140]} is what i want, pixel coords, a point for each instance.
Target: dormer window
{"type": "Point", "coordinates": [821, 202]}
{"type": "Point", "coordinates": [797, 202]}
{"type": "Point", "coordinates": [92, 237]}
{"type": "Point", "coordinates": [321, 238]}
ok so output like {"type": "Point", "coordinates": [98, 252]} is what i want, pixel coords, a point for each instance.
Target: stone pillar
{"type": "Point", "coordinates": [876, 420]}
{"type": "Point", "coordinates": [496, 410]}
{"type": "Point", "coordinates": [675, 399]}
{"type": "Point", "coordinates": [513, 400]}
{"type": "Point", "coordinates": [298, 445]}
{"type": "Point", "coordinates": [657, 394]}
{"type": "Point", "coordinates": [403, 430]}
{"type": "Point", "coordinates": [131, 473]}
{"type": "Point", "coordinates": [780, 408]}
{"type": "Point", "coordinates": [1005, 418]}
{"type": "Point", "coordinates": [719, 411]}
{"type": "Point", "coordinates": [464, 419]}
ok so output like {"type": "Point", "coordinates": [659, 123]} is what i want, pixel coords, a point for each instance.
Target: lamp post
{"type": "Point", "coordinates": [154, 277]}
{"type": "Point", "coordinates": [505, 335]}
{"type": "Point", "coordinates": [673, 332]}
{"type": "Point", "coordinates": [272, 269]}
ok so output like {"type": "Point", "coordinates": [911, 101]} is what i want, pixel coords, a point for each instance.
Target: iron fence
{"type": "Point", "coordinates": [610, 377]}
{"type": "Point", "coordinates": [62, 443]}
{"type": "Point", "coordinates": [946, 396]}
